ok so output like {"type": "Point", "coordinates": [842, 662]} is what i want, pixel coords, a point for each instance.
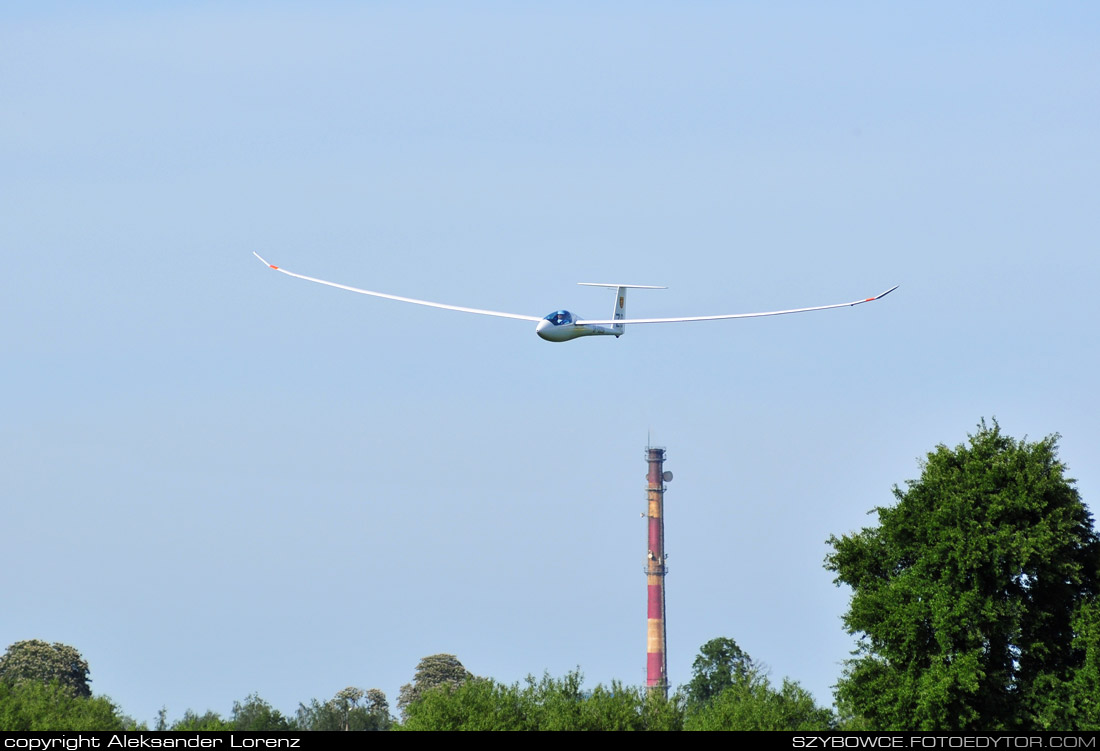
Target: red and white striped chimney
{"type": "Point", "coordinates": [656, 643]}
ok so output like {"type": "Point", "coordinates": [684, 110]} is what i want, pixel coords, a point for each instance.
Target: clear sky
{"type": "Point", "coordinates": [219, 480]}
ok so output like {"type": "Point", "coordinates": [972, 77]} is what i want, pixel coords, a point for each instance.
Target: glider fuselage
{"type": "Point", "coordinates": [562, 326]}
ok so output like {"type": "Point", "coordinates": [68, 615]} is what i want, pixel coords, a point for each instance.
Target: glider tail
{"type": "Point", "coordinates": [620, 310]}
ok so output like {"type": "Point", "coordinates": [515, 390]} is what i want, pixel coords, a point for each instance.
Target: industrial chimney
{"type": "Point", "coordinates": [656, 643]}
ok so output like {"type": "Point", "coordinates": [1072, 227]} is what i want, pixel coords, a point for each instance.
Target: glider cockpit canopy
{"type": "Point", "coordinates": [560, 317]}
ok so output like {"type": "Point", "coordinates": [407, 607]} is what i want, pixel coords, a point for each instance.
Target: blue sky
{"type": "Point", "coordinates": [217, 480]}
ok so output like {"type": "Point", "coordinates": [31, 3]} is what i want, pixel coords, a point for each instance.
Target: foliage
{"type": "Point", "coordinates": [974, 597]}
{"type": "Point", "coordinates": [37, 661]}
{"type": "Point", "coordinates": [256, 714]}
{"type": "Point", "coordinates": [32, 705]}
{"type": "Point", "coordinates": [377, 703]}
{"type": "Point", "coordinates": [546, 704]}
{"type": "Point", "coordinates": [477, 704]}
{"type": "Point", "coordinates": [1074, 703]}
{"type": "Point", "coordinates": [719, 665]}
{"type": "Point", "coordinates": [554, 703]}
{"type": "Point", "coordinates": [744, 701]}
{"type": "Point", "coordinates": [343, 711]}
{"type": "Point", "coordinates": [209, 721]}
{"type": "Point", "coordinates": [728, 691]}
{"type": "Point", "coordinates": [560, 704]}
{"type": "Point", "coordinates": [756, 705]}
{"type": "Point", "coordinates": [661, 713]}
{"type": "Point", "coordinates": [129, 723]}
{"type": "Point", "coordinates": [1083, 700]}
{"type": "Point", "coordinates": [432, 671]}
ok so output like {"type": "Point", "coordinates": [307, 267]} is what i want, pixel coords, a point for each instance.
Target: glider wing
{"type": "Point", "coordinates": [398, 297]}
{"type": "Point", "coordinates": [740, 315]}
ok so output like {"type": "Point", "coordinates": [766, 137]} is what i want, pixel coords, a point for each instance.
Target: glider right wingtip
{"type": "Point", "coordinates": [884, 294]}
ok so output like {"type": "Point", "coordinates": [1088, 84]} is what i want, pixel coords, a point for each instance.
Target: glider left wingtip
{"type": "Point", "coordinates": [265, 263]}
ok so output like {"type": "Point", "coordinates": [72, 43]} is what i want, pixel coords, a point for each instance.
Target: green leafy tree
{"type": "Point", "coordinates": [562, 704]}
{"type": "Point", "coordinates": [129, 723]}
{"type": "Point", "coordinates": [616, 707]}
{"type": "Point", "coordinates": [719, 665]}
{"type": "Point", "coordinates": [432, 671]}
{"type": "Point", "coordinates": [206, 722]}
{"type": "Point", "coordinates": [256, 714]}
{"type": "Point", "coordinates": [377, 703]}
{"type": "Point", "coordinates": [554, 703]}
{"type": "Point", "coordinates": [729, 691]}
{"type": "Point", "coordinates": [1082, 705]}
{"type": "Point", "coordinates": [319, 716]}
{"type": "Point", "coordinates": [476, 704]}
{"type": "Point", "coordinates": [348, 699]}
{"type": "Point", "coordinates": [974, 595]}
{"type": "Point", "coordinates": [756, 705]}
{"type": "Point", "coordinates": [344, 711]}
{"type": "Point", "coordinates": [33, 705]}
{"type": "Point", "coordinates": [545, 704]}
{"type": "Point", "coordinates": [40, 662]}
{"type": "Point", "coordinates": [661, 713]}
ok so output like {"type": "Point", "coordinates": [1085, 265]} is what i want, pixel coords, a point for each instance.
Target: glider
{"type": "Point", "coordinates": [561, 325]}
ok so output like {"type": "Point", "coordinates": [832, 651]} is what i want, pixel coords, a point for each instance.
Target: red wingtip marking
{"type": "Point", "coordinates": [869, 299]}
{"type": "Point", "coordinates": [274, 267]}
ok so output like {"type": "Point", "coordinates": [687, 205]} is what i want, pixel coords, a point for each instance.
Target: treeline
{"type": "Point", "coordinates": [975, 604]}
{"type": "Point", "coordinates": [351, 709]}
{"type": "Point", "coordinates": [45, 687]}
{"type": "Point", "coordinates": [727, 691]}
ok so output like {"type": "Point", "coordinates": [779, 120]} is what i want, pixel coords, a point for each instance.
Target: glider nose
{"type": "Point", "coordinates": [543, 329]}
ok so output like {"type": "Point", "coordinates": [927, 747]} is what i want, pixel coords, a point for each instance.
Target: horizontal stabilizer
{"type": "Point", "coordinates": [617, 286]}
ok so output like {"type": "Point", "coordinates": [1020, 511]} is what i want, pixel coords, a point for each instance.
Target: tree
{"type": "Point", "coordinates": [476, 704]}
{"type": "Point", "coordinates": [756, 705]}
{"type": "Point", "coordinates": [972, 597]}
{"type": "Point", "coordinates": [719, 665]}
{"type": "Point", "coordinates": [1083, 704]}
{"type": "Point", "coordinates": [209, 721]}
{"type": "Point", "coordinates": [33, 705]}
{"type": "Point", "coordinates": [37, 661]}
{"type": "Point", "coordinates": [432, 671]}
{"type": "Point", "coordinates": [545, 704]}
{"type": "Point", "coordinates": [348, 699]}
{"type": "Point", "coordinates": [728, 691]}
{"type": "Point", "coordinates": [343, 711]}
{"type": "Point", "coordinates": [561, 704]}
{"type": "Point", "coordinates": [256, 714]}
{"type": "Point", "coordinates": [378, 709]}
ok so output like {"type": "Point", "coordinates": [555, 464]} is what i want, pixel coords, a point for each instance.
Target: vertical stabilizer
{"type": "Point", "coordinates": [620, 310]}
